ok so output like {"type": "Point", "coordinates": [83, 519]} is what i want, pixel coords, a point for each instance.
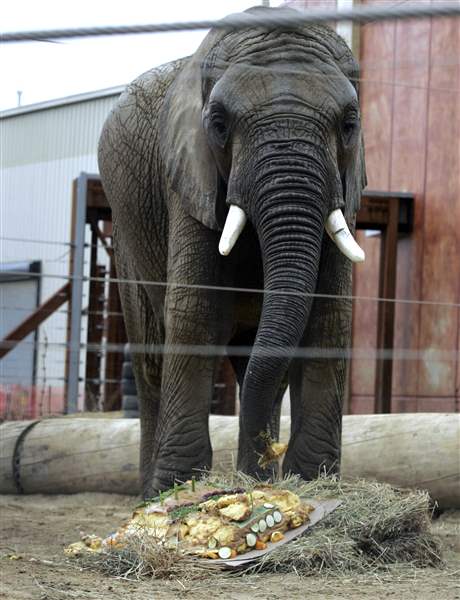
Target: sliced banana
{"type": "Point", "coordinates": [277, 516]}
{"type": "Point", "coordinates": [225, 552]}
{"type": "Point", "coordinates": [262, 525]}
{"type": "Point", "coordinates": [251, 539]}
{"type": "Point", "coordinates": [268, 505]}
{"type": "Point", "coordinates": [270, 520]}
{"type": "Point", "coordinates": [255, 527]}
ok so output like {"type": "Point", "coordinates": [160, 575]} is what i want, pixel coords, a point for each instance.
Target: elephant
{"type": "Point", "coordinates": [224, 170]}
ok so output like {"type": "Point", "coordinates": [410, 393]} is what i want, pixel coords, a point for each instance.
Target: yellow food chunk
{"type": "Point", "coordinates": [236, 512]}
{"type": "Point", "coordinates": [276, 536]}
{"type": "Point", "coordinates": [296, 521]}
{"type": "Point", "coordinates": [209, 505]}
{"type": "Point", "coordinates": [204, 529]}
{"type": "Point", "coordinates": [225, 535]}
{"type": "Point", "coordinates": [230, 499]}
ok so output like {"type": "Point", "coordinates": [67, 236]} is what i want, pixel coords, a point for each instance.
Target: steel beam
{"type": "Point", "coordinates": [76, 305]}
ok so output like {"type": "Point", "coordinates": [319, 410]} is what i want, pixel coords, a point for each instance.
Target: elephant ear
{"type": "Point", "coordinates": [355, 181]}
{"type": "Point", "coordinates": [355, 176]}
{"type": "Point", "coordinates": [190, 166]}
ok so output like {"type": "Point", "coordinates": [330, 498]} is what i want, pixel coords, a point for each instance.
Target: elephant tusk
{"type": "Point", "coordinates": [234, 225]}
{"type": "Point", "coordinates": [337, 228]}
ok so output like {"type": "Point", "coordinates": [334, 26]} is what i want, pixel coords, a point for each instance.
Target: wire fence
{"type": "Point", "coordinates": [359, 14]}
{"type": "Point", "coordinates": [104, 348]}
{"type": "Point", "coordinates": [239, 290]}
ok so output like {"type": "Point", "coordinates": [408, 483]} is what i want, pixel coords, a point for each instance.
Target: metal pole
{"type": "Point", "coordinates": [77, 295]}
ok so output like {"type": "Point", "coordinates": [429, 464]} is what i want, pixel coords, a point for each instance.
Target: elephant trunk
{"type": "Point", "coordinates": [290, 226]}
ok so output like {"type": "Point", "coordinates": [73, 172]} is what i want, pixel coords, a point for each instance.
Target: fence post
{"type": "Point", "coordinates": [77, 295]}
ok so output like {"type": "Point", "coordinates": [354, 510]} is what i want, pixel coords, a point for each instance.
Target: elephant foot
{"type": "Point", "coordinates": [165, 477]}
{"type": "Point", "coordinates": [308, 465]}
{"type": "Point", "coordinates": [253, 469]}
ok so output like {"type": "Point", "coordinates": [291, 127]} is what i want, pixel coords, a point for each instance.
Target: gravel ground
{"type": "Point", "coordinates": [35, 529]}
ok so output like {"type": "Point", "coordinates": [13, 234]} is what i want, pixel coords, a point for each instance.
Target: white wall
{"type": "Point", "coordinates": [36, 202]}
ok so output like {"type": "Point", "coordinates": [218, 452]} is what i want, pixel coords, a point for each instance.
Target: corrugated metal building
{"type": "Point", "coordinates": [44, 148]}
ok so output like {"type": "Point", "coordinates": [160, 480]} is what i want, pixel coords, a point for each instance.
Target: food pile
{"type": "Point", "coordinates": [208, 522]}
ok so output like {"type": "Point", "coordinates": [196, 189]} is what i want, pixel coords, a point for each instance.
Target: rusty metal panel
{"type": "Point", "coordinates": [458, 369]}
{"type": "Point", "coordinates": [408, 156]}
{"type": "Point", "coordinates": [436, 404]}
{"type": "Point", "coordinates": [376, 94]}
{"type": "Point", "coordinates": [441, 247]}
{"type": "Point", "coordinates": [362, 405]}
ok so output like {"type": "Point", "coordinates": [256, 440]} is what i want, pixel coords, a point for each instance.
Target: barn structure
{"type": "Point", "coordinates": [411, 119]}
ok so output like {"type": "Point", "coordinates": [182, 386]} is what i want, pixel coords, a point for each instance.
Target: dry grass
{"type": "Point", "coordinates": [376, 526]}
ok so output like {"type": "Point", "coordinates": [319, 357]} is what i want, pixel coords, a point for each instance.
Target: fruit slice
{"type": "Point", "coordinates": [277, 516]}
{"type": "Point", "coordinates": [225, 552]}
{"type": "Point", "coordinates": [270, 520]}
{"type": "Point", "coordinates": [262, 525]}
{"type": "Point", "coordinates": [251, 539]}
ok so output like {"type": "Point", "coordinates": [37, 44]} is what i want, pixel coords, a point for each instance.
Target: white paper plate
{"type": "Point", "coordinates": [321, 510]}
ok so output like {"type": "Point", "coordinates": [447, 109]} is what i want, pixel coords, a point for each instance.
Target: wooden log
{"type": "Point", "coordinates": [70, 455]}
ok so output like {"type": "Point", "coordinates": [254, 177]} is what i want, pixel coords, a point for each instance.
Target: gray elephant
{"type": "Point", "coordinates": [224, 170]}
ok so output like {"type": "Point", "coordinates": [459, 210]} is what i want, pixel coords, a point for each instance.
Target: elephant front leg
{"type": "Point", "coordinates": [182, 443]}
{"type": "Point", "coordinates": [195, 322]}
{"type": "Point", "coordinates": [318, 381]}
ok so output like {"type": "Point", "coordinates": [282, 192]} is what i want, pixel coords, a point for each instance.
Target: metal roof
{"type": "Point", "coordinates": [58, 102]}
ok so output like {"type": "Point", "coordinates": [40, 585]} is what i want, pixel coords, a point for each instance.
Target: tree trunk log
{"type": "Point", "coordinates": [72, 455]}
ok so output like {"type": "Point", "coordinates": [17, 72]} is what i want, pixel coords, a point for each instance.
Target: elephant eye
{"type": "Point", "coordinates": [219, 126]}
{"type": "Point", "coordinates": [349, 127]}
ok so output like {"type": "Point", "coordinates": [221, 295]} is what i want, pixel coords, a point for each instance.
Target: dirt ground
{"type": "Point", "coordinates": [35, 529]}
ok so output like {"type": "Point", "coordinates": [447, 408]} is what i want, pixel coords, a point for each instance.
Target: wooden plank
{"type": "Point", "coordinates": [94, 330]}
{"type": "Point", "coordinates": [224, 397]}
{"type": "Point", "coordinates": [96, 197]}
{"type": "Point", "coordinates": [116, 334]}
{"type": "Point", "coordinates": [386, 310]}
{"type": "Point", "coordinates": [376, 98]}
{"type": "Point", "coordinates": [33, 321]}
{"type": "Point", "coordinates": [362, 405]}
{"type": "Point", "coordinates": [440, 282]}
{"type": "Point", "coordinates": [374, 212]}
{"type": "Point", "coordinates": [69, 306]}
{"type": "Point", "coordinates": [408, 173]}
{"type": "Point", "coordinates": [457, 387]}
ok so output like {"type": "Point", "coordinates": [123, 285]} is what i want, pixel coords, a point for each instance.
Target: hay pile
{"type": "Point", "coordinates": [376, 526]}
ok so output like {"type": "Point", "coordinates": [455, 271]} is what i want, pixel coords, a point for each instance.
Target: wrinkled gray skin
{"type": "Point", "coordinates": [267, 120]}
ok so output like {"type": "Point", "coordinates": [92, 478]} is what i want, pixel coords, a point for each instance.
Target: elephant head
{"type": "Point", "coordinates": [264, 125]}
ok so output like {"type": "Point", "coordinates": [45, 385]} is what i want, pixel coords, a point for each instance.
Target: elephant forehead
{"type": "Point", "coordinates": [308, 44]}
{"type": "Point", "coordinates": [282, 85]}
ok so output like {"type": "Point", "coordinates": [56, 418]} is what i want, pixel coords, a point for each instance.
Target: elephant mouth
{"type": "Point", "coordinates": [335, 226]}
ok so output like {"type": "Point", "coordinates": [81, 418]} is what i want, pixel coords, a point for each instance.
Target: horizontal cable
{"type": "Point", "coordinates": [85, 312]}
{"type": "Point", "coordinates": [33, 241]}
{"type": "Point", "coordinates": [358, 14]}
{"type": "Point", "coordinates": [217, 288]}
{"type": "Point", "coordinates": [210, 350]}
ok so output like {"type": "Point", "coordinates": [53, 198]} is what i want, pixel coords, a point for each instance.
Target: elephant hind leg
{"type": "Point", "coordinates": [144, 330]}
